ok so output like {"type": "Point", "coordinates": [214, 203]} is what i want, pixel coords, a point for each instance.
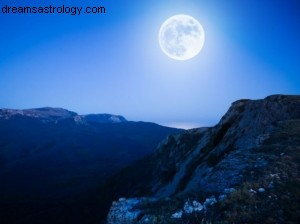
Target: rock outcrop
{"type": "Point", "coordinates": [254, 140]}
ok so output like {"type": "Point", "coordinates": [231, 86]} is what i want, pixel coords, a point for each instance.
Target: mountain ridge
{"type": "Point", "coordinates": [55, 114]}
{"type": "Point", "coordinates": [52, 158]}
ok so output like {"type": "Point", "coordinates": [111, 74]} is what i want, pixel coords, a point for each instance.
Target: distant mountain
{"type": "Point", "coordinates": [246, 169]}
{"type": "Point", "coordinates": [51, 158]}
{"type": "Point", "coordinates": [49, 114]}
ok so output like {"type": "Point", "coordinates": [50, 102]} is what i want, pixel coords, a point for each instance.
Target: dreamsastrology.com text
{"type": "Point", "coordinates": [71, 10]}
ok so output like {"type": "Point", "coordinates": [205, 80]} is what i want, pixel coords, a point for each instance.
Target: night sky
{"type": "Point", "coordinates": [112, 63]}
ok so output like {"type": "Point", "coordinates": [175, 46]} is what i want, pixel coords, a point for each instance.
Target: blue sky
{"type": "Point", "coordinates": [112, 63]}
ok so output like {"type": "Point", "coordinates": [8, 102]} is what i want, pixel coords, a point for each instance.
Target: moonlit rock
{"type": "Point", "coordinates": [228, 190]}
{"type": "Point", "coordinates": [222, 197]}
{"type": "Point", "coordinates": [188, 208]}
{"type": "Point", "coordinates": [177, 215]}
{"type": "Point", "coordinates": [124, 211]}
{"type": "Point", "coordinates": [252, 191]}
{"type": "Point", "coordinates": [197, 206]}
{"type": "Point", "coordinates": [122, 199]}
{"type": "Point", "coordinates": [210, 201]}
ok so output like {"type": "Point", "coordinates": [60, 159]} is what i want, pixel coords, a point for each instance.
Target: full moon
{"type": "Point", "coordinates": [181, 37]}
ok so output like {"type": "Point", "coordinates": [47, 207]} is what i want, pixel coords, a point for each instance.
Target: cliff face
{"type": "Point", "coordinates": [220, 155]}
{"type": "Point", "coordinates": [256, 145]}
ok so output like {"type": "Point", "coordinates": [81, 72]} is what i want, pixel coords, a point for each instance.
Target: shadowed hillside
{"type": "Point", "coordinates": [243, 170]}
{"type": "Point", "coordinates": [51, 159]}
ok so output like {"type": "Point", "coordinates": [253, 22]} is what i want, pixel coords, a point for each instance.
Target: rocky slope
{"type": "Point", "coordinates": [243, 170]}
{"type": "Point", "coordinates": [52, 160]}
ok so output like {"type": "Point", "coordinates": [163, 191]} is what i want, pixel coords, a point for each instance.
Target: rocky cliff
{"type": "Point", "coordinates": [243, 170]}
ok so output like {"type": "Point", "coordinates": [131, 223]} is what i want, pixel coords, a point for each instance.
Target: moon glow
{"type": "Point", "coordinates": [181, 37]}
